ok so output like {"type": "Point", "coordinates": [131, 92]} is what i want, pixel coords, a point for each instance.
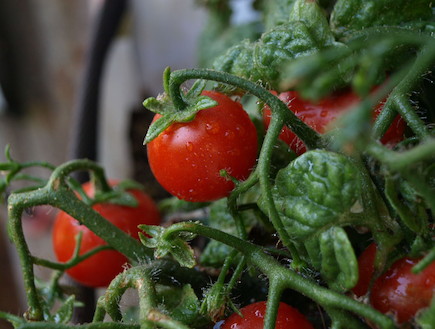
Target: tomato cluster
{"type": "Point", "coordinates": [188, 159]}
{"type": "Point", "coordinates": [320, 115]}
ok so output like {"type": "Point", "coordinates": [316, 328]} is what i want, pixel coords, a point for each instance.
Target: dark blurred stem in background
{"type": "Point", "coordinates": [21, 66]}
{"type": "Point", "coordinates": [86, 114]}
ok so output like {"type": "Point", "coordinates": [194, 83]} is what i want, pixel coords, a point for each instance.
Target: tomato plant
{"type": "Point", "coordinates": [99, 269]}
{"type": "Point", "coordinates": [319, 115]}
{"type": "Point", "coordinates": [187, 157]}
{"type": "Point", "coordinates": [253, 318]}
{"type": "Point", "coordinates": [292, 225]}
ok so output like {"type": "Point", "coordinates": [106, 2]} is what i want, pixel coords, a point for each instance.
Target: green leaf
{"type": "Point", "coordinates": [214, 254]}
{"type": "Point", "coordinates": [339, 264]}
{"type": "Point", "coordinates": [316, 191]}
{"type": "Point", "coordinates": [353, 15]}
{"type": "Point", "coordinates": [304, 33]}
{"type": "Point", "coordinates": [168, 244]}
{"type": "Point", "coordinates": [426, 318]}
{"type": "Point", "coordinates": [275, 12]}
{"type": "Point", "coordinates": [182, 304]}
{"type": "Point", "coordinates": [316, 195]}
{"type": "Point", "coordinates": [182, 252]}
{"type": "Point", "coordinates": [314, 19]}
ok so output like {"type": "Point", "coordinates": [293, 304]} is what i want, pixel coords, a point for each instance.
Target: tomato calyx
{"type": "Point", "coordinates": [170, 112]}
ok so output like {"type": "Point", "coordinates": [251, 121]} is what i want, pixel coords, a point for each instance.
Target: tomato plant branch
{"type": "Point", "coordinates": [57, 194]}
{"type": "Point", "coordinates": [177, 78]}
{"type": "Point", "coordinates": [426, 261]}
{"type": "Point", "coordinates": [281, 115]}
{"type": "Point", "coordinates": [13, 319]}
{"type": "Point", "coordinates": [420, 67]}
{"type": "Point", "coordinates": [136, 277]}
{"type": "Point", "coordinates": [342, 320]}
{"type": "Point", "coordinates": [286, 277]}
{"type": "Point", "coordinates": [405, 162]}
{"type": "Point", "coordinates": [72, 262]}
{"type": "Point", "coordinates": [398, 161]}
{"type": "Point", "coordinates": [275, 290]}
{"type": "Point", "coordinates": [408, 113]}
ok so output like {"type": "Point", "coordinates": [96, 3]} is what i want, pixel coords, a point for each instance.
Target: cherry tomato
{"type": "Point", "coordinates": [366, 269]}
{"type": "Point", "coordinates": [186, 158]}
{"type": "Point", "coordinates": [99, 269]}
{"type": "Point", "coordinates": [401, 292]}
{"type": "Point", "coordinates": [253, 318]}
{"type": "Point", "coordinates": [319, 115]}
{"type": "Point", "coordinates": [398, 291]}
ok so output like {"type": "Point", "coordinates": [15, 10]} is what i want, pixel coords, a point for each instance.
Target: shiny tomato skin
{"type": "Point", "coordinates": [253, 318]}
{"type": "Point", "coordinates": [366, 268]}
{"type": "Point", "coordinates": [402, 293]}
{"type": "Point", "coordinates": [320, 114]}
{"type": "Point", "coordinates": [186, 158]}
{"type": "Point", "coordinates": [101, 268]}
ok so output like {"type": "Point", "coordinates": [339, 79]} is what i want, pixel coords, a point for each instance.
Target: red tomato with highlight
{"type": "Point", "coordinates": [187, 157]}
{"type": "Point", "coordinates": [320, 114]}
{"type": "Point", "coordinates": [398, 291]}
{"type": "Point", "coordinates": [401, 292]}
{"type": "Point", "coordinates": [253, 318]}
{"type": "Point", "coordinates": [101, 268]}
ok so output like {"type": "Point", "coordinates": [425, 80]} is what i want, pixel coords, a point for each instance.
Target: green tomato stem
{"type": "Point", "coordinates": [308, 135]}
{"type": "Point", "coordinates": [276, 287]}
{"type": "Point", "coordinates": [425, 60]}
{"type": "Point", "coordinates": [284, 277]}
{"type": "Point", "coordinates": [399, 161]}
{"type": "Point", "coordinates": [57, 194]}
{"type": "Point", "coordinates": [281, 115]}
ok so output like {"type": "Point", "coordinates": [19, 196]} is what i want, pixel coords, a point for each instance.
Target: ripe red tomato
{"type": "Point", "coordinates": [101, 268]}
{"type": "Point", "coordinates": [398, 291]}
{"type": "Point", "coordinates": [366, 268]}
{"type": "Point", "coordinates": [253, 318]}
{"type": "Point", "coordinates": [401, 292]}
{"type": "Point", "coordinates": [186, 158]}
{"type": "Point", "coordinates": [319, 115]}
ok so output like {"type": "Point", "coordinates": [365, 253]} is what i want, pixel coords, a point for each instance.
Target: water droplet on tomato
{"type": "Point", "coordinates": [258, 314]}
{"type": "Point", "coordinates": [241, 130]}
{"type": "Point", "coordinates": [229, 134]}
{"type": "Point", "coordinates": [189, 146]}
{"type": "Point", "coordinates": [212, 127]}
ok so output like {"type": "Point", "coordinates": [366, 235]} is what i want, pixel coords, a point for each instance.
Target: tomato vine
{"type": "Point", "coordinates": [311, 206]}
